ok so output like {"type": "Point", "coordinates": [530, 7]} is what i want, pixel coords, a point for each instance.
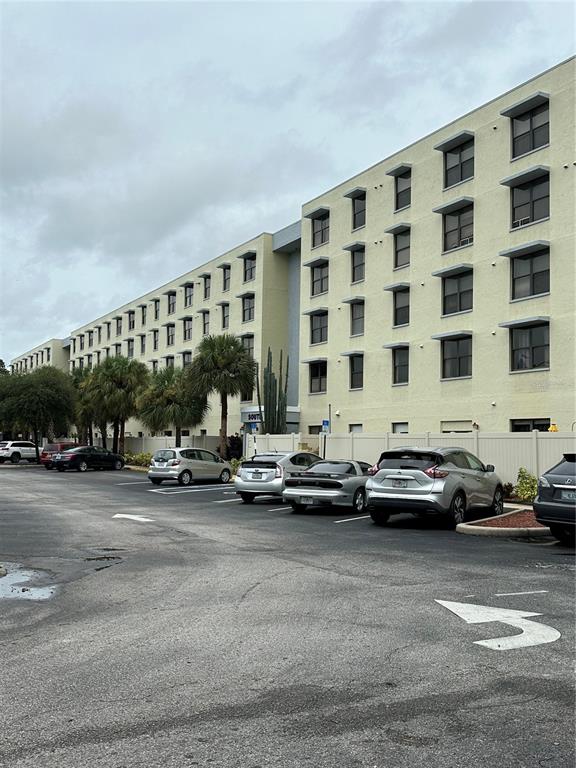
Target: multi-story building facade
{"type": "Point", "coordinates": [54, 352]}
{"type": "Point", "coordinates": [433, 291]}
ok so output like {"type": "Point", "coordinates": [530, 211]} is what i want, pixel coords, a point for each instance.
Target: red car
{"type": "Point", "coordinates": [50, 449]}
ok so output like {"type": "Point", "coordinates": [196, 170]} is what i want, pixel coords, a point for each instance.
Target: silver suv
{"type": "Point", "coordinates": [14, 450]}
{"type": "Point", "coordinates": [446, 480]}
{"type": "Point", "coordinates": [264, 474]}
{"type": "Point", "coordinates": [186, 465]}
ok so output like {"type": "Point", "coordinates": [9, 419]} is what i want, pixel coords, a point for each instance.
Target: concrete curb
{"type": "Point", "coordinates": [487, 530]}
{"type": "Point", "coordinates": [134, 468]}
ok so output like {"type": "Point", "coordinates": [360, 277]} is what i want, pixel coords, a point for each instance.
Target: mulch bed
{"type": "Point", "coordinates": [524, 518]}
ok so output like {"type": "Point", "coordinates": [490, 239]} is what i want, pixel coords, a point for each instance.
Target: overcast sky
{"type": "Point", "coordinates": [141, 139]}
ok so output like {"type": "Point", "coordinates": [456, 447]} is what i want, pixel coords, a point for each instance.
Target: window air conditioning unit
{"type": "Point", "coordinates": [520, 222]}
{"type": "Point", "coordinates": [467, 241]}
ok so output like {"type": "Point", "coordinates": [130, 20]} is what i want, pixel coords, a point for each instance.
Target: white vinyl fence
{"type": "Point", "coordinates": [508, 451]}
{"type": "Point", "coordinates": [151, 444]}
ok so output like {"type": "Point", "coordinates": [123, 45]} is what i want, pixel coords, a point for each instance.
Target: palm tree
{"type": "Point", "coordinates": [168, 402]}
{"type": "Point", "coordinates": [119, 381]}
{"type": "Point", "coordinates": [221, 366]}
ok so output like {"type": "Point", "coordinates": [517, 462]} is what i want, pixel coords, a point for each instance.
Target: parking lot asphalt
{"type": "Point", "coordinates": [188, 628]}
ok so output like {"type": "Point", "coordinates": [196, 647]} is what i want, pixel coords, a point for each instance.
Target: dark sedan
{"type": "Point", "coordinates": [86, 457]}
{"type": "Point", "coordinates": [555, 504]}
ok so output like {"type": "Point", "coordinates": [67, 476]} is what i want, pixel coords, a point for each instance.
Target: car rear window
{"type": "Point", "coordinates": [4, 445]}
{"type": "Point", "coordinates": [566, 467]}
{"type": "Point", "coordinates": [333, 467]}
{"type": "Point", "coordinates": [408, 460]}
{"type": "Point", "coordinates": [164, 455]}
{"type": "Point", "coordinates": [267, 457]}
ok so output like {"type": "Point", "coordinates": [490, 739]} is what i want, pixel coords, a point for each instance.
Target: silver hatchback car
{"type": "Point", "coordinates": [446, 480]}
{"type": "Point", "coordinates": [186, 465]}
{"type": "Point", "coordinates": [265, 473]}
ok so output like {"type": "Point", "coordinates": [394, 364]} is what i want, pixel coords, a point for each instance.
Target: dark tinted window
{"type": "Point", "coordinates": [408, 460]}
{"type": "Point", "coordinates": [474, 462]}
{"type": "Point", "coordinates": [335, 467]}
{"type": "Point", "coordinates": [164, 455]}
{"type": "Point", "coordinates": [567, 466]}
{"type": "Point", "coordinates": [457, 459]}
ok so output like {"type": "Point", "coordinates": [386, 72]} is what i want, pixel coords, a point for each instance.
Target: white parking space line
{"type": "Point", "coordinates": [225, 501]}
{"type": "Point", "coordinates": [509, 594]}
{"type": "Point", "coordinates": [136, 482]}
{"type": "Point", "coordinates": [277, 509]}
{"type": "Point", "coordinates": [351, 519]}
{"type": "Point", "coordinates": [174, 491]}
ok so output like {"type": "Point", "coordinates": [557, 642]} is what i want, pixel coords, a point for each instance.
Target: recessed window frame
{"type": "Point", "coordinates": [207, 279]}
{"type": "Point", "coordinates": [456, 357]}
{"type": "Point", "coordinates": [460, 223]}
{"type": "Point", "coordinates": [358, 264]}
{"type": "Point", "coordinates": [538, 196]}
{"type": "Point", "coordinates": [225, 316]}
{"type": "Point", "coordinates": [537, 135]}
{"type": "Point", "coordinates": [356, 371]}
{"type": "Point", "coordinates": [317, 377]}
{"type": "Point", "coordinates": [170, 335]}
{"type": "Point", "coordinates": [401, 307]}
{"type": "Point", "coordinates": [524, 355]}
{"type": "Point", "coordinates": [226, 273]}
{"type": "Point", "coordinates": [188, 295]}
{"type": "Point", "coordinates": [459, 163]}
{"type": "Point", "coordinates": [403, 190]}
{"type": "Point", "coordinates": [320, 229]}
{"type": "Point", "coordinates": [359, 210]}
{"type": "Point", "coordinates": [402, 244]}
{"type": "Point", "coordinates": [538, 280]}
{"type": "Point", "coordinates": [401, 365]}
{"type": "Point", "coordinates": [187, 328]}
{"type": "Point", "coordinates": [319, 278]}
{"type": "Point", "coordinates": [458, 291]}
{"type": "Point", "coordinates": [248, 308]}
{"type": "Point", "coordinates": [319, 327]}
{"type": "Point", "coordinates": [529, 425]}
{"type": "Point", "coordinates": [249, 270]}
{"type": "Point", "coordinates": [357, 317]}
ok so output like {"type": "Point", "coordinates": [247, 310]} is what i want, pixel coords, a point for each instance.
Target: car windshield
{"type": "Point", "coordinates": [408, 460]}
{"type": "Point", "coordinates": [164, 455]}
{"type": "Point", "coordinates": [333, 467]}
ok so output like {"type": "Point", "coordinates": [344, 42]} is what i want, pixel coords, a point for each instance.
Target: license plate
{"type": "Point", "coordinates": [399, 483]}
{"type": "Point", "coordinates": [306, 500]}
{"type": "Point", "coordinates": [256, 476]}
{"type": "Point", "coordinates": [57, 456]}
{"type": "Point", "coordinates": [568, 495]}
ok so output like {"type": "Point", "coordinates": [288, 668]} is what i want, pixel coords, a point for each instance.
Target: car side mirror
{"type": "Point", "coordinates": [489, 467]}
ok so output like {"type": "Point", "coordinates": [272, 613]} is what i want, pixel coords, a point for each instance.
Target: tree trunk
{"type": "Point", "coordinates": [223, 424]}
{"type": "Point", "coordinates": [36, 438]}
{"type": "Point", "coordinates": [178, 437]}
{"type": "Point", "coordinates": [90, 435]}
{"type": "Point", "coordinates": [102, 428]}
{"type": "Point", "coordinates": [121, 445]}
{"type": "Point", "coordinates": [115, 437]}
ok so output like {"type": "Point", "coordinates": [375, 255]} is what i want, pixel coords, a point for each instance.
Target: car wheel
{"type": "Point", "coordinates": [564, 535]}
{"type": "Point", "coordinates": [457, 510]}
{"type": "Point", "coordinates": [298, 508]}
{"type": "Point", "coordinates": [118, 464]}
{"type": "Point", "coordinates": [379, 517]}
{"type": "Point", "coordinates": [2, 461]}
{"type": "Point", "coordinates": [47, 466]}
{"type": "Point", "coordinates": [185, 478]}
{"type": "Point", "coordinates": [497, 507]}
{"type": "Point", "coordinates": [15, 458]}
{"type": "Point", "coordinates": [359, 500]}
{"type": "Point", "coordinates": [225, 476]}
{"type": "Point", "coordinates": [82, 466]}
{"type": "Point", "coordinates": [155, 481]}
{"type": "Point", "coordinates": [247, 498]}
{"type": "Point", "coordinates": [60, 469]}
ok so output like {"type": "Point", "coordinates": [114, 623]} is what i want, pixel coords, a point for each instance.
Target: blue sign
{"type": "Point", "coordinates": [325, 425]}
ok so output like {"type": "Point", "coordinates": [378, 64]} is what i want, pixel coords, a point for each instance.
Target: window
{"type": "Point", "coordinates": [225, 315]}
{"type": "Point", "coordinates": [169, 362]}
{"type": "Point", "coordinates": [89, 361]}
{"type": "Point", "coordinates": [97, 356]}
{"type": "Point", "coordinates": [171, 303]}
{"type": "Point", "coordinates": [247, 308]}
{"type": "Point", "coordinates": [403, 184]}
{"type": "Point", "coordinates": [402, 249]}
{"type": "Point", "coordinates": [130, 347]}
{"type": "Point", "coordinates": [90, 338]}
{"type": "Point", "coordinates": [457, 293]}
{"type": "Point", "coordinates": [118, 326]}
{"type": "Point", "coordinates": [357, 260]}
{"type": "Point", "coordinates": [400, 427]}
{"type": "Point", "coordinates": [131, 321]}
{"type": "Point", "coordinates": [118, 349]}
{"type": "Point", "coordinates": [318, 327]}
{"type": "Point", "coordinates": [81, 344]}
{"type": "Point", "coordinates": [457, 357]}
{"type": "Point", "coordinates": [186, 359]}
{"type": "Point", "coordinates": [528, 425]}
{"type": "Point", "coordinates": [170, 335]}
{"type": "Point", "coordinates": [205, 323]}
{"type": "Point", "coordinates": [143, 317]}
{"type": "Point", "coordinates": [530, 202]}
{"type": "Point", "coordinates": [154, 366]}
{"type": "Point", "coordinates": [108, 330]}
{"type": "Point", "coordinates": [356, 371]}
{"type": "Point", "coordinates": [320, 278]}
{"type": "Point", "coordinates": [48, 355]}
{"type": "Point", "coordinates": [249, 268]}
{"type": "Point", "coordinates": [142, 344]}
{"type": "Point", "coordinates": [248, 344]}
{"type": "Point", "coordinates": [187, 329]}
{"type": "Point", "coordinates": [402, 306]}
{"type": "Point", "coordinates": [354, 427]}
{"type": "Point", "coordinates": [531, 130]}
{"type": "Point", "coordinates": [107, 352]}
{"type": "Point", "coordinates": [318, 376]}
{"type": "Point", "coordinates": [188, 295]}
{"type": "Point", "coordinates": [459, 163]}
{"type": "Point", "coordinates": [459, 228]}
{"type": "Point", "coordinates": [320, 229]}
{"type": "Point", "coordinates": [530, 347]}
{"type": "Point", "coordinates": [314, 429]}
{"type": "Point", "coordinates": [155, 336]}
{"type": "Point", "coordinates": [207, 282]}
{"type": "Point", "coordinates": [99, 334]}
{"type": "Point", "coordinates": [357, 318]}
{"type": "Point", "coordinates": [359, 211]}
{"type": "Point", "coordinates": [531, 274]}
{"type": "Point", "coordinates": [156, 309]}
{"type": "Point", "coordinates": [81, 363]}
{"type": "Point", "coordinates": [73, 346]}
{"type": "Point", "coordinates": [226, 278]}
{"type": "Point", "coordinates": [400, 365]}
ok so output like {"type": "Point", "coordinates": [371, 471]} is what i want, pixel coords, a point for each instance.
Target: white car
{"type": "Point", "coordinates": [15, 450]}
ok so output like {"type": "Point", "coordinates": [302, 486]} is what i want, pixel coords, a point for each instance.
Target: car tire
{"type": "Point", "coordinates": [2, 461]}
{"type": "Point", "coordinates": [185, 478]}
{"type": "Point", "coordinates": [247, 498]}
{"type": "Point", "coordinates": [298, 508]}
{"type": "Point", "coordinates": [60, 469]}
{"type": "Point", "coordinates": [15, 458]}
{"type": "Point", "coordinates": [118, 465]}
{"type": "Point", "coordinates": [155, 481]}
{"type": "Point", "coordinates": [457, 510]}
{"type": "Point", "coordinates": [225, 476]}
{"type": "Point", "coordinates": [82, 466]}
{"type": "Point", "coordinates": [379, 517]}
{"type": "Point", "coordinates": [359, 500]}
{"type": "Point", "coordinates": [497, 507]}
{"type": "Point", "coordinates": [564, 535]}
{"type": "Point", "coordinates": [47, 466]}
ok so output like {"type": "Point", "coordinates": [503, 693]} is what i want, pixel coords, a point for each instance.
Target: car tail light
{"type": "Point", "coordinates": [373, 469]}
{"type": "Point", "coordinates": [435, 473]}
{"type": "Point", "coordinates": [279, 471]}
{"type": "Point", "coordinates": [543, 482]}
{"type": "Point", "coordinates": [174, 462]}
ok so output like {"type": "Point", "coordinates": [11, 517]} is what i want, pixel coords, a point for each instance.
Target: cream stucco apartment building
{"type": "Point", "coordinates": [431, 292]}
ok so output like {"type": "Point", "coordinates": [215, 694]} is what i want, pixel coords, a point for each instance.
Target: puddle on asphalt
{"type": "Point", "coordinates": [14, 584]}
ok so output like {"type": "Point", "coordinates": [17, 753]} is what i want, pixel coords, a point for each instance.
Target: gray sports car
{"type": "Point", "coordinates": [329, 482]}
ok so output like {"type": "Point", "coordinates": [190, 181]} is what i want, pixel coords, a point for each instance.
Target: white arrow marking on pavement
{"type": "Point", "coordinates": [138, 518]}
{"type": "Point", "coordinates": [532, 632]}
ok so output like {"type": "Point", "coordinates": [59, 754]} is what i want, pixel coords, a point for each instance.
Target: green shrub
{"type": "Point", "coordinates": [526, 485]}
{"type": "Point", "coordinates": [508, 489]}
{"type": "Point", "coordinates": [235, 463]}
{"type": "Point", "coordinates": [137, 459]}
